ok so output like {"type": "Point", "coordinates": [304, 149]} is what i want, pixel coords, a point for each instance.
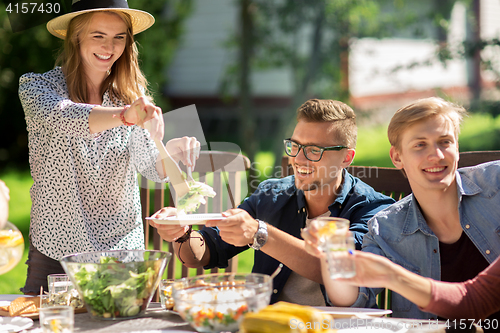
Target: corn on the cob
{"type": "Point", "coordinates": [271, 322]}
{"type": "Point", "coordinates": [318, 321]}
{"type": "Point", "coordinates": [287, 317]}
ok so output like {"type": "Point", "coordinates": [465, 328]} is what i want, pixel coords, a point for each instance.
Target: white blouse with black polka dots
{"type": "Point", "coordinates": [85, 193]}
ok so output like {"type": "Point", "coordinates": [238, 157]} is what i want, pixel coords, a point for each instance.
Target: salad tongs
{"type": "Point", "coordinates": [170, 167]}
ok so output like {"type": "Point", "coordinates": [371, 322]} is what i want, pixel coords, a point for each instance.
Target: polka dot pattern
{"type": "Point", "coordinates": [85, 195]}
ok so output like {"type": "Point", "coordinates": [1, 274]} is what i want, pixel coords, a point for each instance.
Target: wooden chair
{"type": "Point", "coordinates": [392, 182]}
{"type": "Point", "coordinates": [224, 172]}
{"type": "Point", "coordinates": [470, 158]}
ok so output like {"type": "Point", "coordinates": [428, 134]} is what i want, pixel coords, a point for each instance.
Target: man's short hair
{"type": "Point", "coordinates": [421, 110]}
{"type": "Point", "coordinates": [326, 110]}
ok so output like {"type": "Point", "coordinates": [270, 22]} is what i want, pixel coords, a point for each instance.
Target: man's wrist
{"type": "Point", "coordinates": [261, 236]}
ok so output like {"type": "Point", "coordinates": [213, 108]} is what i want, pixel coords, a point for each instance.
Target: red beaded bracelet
{"type": "Point", "coordinates": [122, 116]}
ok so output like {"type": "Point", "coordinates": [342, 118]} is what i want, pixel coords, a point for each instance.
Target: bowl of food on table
{"type": "Point", "coordinates": [218, 302]}
{"type": "Point", "coordinates": [116, 284]}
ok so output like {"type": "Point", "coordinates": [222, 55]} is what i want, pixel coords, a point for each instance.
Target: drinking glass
{"type": "Point", "coordinates": [45, 301]}
{"type": "Point", "coordinates": [336, 240]}
{"type": "Point", "coordinates": [59, 283]}
{"type": "Point", "coordinates": [166, 299]}
{"type": "Point", "coordinates": [57, 319]}
{"type": "Point", "coordinates": [62, 291]}
{"type": "Point", "coordinates": [11, 247]}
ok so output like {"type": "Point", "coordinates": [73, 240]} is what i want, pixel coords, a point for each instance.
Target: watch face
{"type": "Point", "coordinates": [261, 238]}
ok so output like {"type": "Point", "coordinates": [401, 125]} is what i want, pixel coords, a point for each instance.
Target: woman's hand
{"type": "Point", "coordinates": [372, 271]}
{"type": "Point", "coordinates": [185, 149]}
{"type": "Point", "coordinates": [170, 233]}
{"type": "Point", "coordinates": [141, 111]}
{"type": "Point", "coordinates": [311, 238]}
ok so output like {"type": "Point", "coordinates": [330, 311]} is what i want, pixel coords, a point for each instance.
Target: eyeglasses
{"type": "Point", "coordinates": [311, 152]}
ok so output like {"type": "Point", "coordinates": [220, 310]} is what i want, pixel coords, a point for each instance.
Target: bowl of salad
{"type": "Point", "coordinates": [218, 302]}
{"type": "Point", "coordinates": [116, 284]}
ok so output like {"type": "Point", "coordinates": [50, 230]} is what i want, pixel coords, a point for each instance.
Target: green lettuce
{"type": "Point", "coordinates": [195, 197]}
{"type": "Point", "coordinates": [115, 290]}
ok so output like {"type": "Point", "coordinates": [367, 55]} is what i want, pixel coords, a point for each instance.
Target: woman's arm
{"type": "Point", "coordinates": [44, 100]}
{"type": "Point", "coordinates": [374, 271]}
{"type": "Point", "coordinates": [473, 299]}
{"type": "Point", "coordinates": [103, 118]}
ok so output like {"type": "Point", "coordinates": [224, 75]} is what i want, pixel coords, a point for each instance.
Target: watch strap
{"type": "Point", "coordinates": [260, 237]}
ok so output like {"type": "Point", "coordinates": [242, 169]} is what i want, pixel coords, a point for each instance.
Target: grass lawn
{"type": "Point", "coordinates": [479, 132]}
{"type": "Point", "coordinates": [19, 184]}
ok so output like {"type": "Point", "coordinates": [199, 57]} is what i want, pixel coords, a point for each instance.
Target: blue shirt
{"type": "Point", "coordinates": [280, 204]}
{"type": "Point", "coordinates": [401, 233]}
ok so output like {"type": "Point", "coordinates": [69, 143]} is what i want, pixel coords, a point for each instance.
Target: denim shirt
{"type": "Point", "coordinates": [401, 233]}
{"type": "Point", "coordinates": [280, 204]}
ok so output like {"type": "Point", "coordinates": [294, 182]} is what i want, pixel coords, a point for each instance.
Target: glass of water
{"type": "Point", "coordinates": [336, 240]}
{"type": "Point", "coordinates": [57, 319]}
{"type": "Point", "coordinates": [166, 299]}
{"type": "Point", "coordinates": [59, 283]}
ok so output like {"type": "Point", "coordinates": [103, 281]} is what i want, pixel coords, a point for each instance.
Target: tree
{"type": "Point", "coordinates": [312, 39]}
{"type": "Point", "coordinates": [31, 50]}
{"type": "Point", "coordinates": [157, 46]}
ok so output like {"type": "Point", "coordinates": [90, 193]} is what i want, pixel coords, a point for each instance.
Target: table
{"type": "Point", "coordinates": [388, 324]}
{"type": "Point", "coordinates": [157, 320]}
{"type": "Point", "coordinates": [153, 319]}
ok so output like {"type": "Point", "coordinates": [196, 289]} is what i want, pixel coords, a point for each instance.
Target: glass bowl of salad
{"type": "Point", "coordinates": [218, 302]}
{"type": "Point", "coordinates": [116, 284]}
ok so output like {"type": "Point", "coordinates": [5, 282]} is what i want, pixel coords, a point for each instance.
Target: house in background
{"type": "Point", "coordinates": [383, 74]}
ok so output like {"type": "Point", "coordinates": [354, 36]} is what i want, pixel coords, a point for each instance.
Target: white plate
{"type": "Point", "coordinates": [339, 312]}
{"type": "Point", "coordinates": [5, 299]}
{"type": "Point", "coordinates": [188, 219]}
{"type": "Point", "coordinates": [14, 324]}
{"type": "Point", "coordinates": [387, 325]}
{"type": "Point", "coordinates": [11, 297]}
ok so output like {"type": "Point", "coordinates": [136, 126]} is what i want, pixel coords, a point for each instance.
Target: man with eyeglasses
{"type": "Point", "coordinates": [270, 220]}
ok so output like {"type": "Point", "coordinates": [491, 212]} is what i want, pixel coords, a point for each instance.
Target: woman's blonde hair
{"type": "Point", "coordinates": [125, 82]}
{"type": "Point", "coordinates": [421, 110]}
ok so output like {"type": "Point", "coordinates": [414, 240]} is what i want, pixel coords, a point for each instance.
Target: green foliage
{"type": "Point", "coordinates": [31, 50]}
{"type": "Point", "coordinates": [158, 44]}
{"type": "Point", "coordinates": [312, 39]}
{"type": "Point", "coordinates": [309, 37]}
{"type": "Point", "coordinates": [11, 281]}
{"type": "Point", "coordinates": [19, 183]}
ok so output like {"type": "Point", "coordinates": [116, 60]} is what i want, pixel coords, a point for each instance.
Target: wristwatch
{"type": "Point", "coordinates": [260, 237]}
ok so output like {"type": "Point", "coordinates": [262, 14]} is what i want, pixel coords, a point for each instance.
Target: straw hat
{"type": "Point", "coordinates": [140, 20]}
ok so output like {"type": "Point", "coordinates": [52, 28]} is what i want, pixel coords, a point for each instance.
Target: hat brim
{"type": "Point", "coordinates": [141, 20]}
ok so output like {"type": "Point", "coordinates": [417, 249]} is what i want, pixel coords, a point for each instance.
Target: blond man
{"type": "Point", "coordinates": [448, 228]}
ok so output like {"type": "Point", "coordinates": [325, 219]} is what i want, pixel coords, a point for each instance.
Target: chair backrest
{"type": "Point", "coordinates": [223, 171]}
{"type": "Point", "coordinates": [470, 158]}
{"type": "Point", "coordinates": [389, 181]}
{"type": "Point", "coordinates": [393, 182]}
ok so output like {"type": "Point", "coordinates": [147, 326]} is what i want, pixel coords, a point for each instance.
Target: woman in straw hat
{"type": "Point", "coordinates": [86, 138]}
